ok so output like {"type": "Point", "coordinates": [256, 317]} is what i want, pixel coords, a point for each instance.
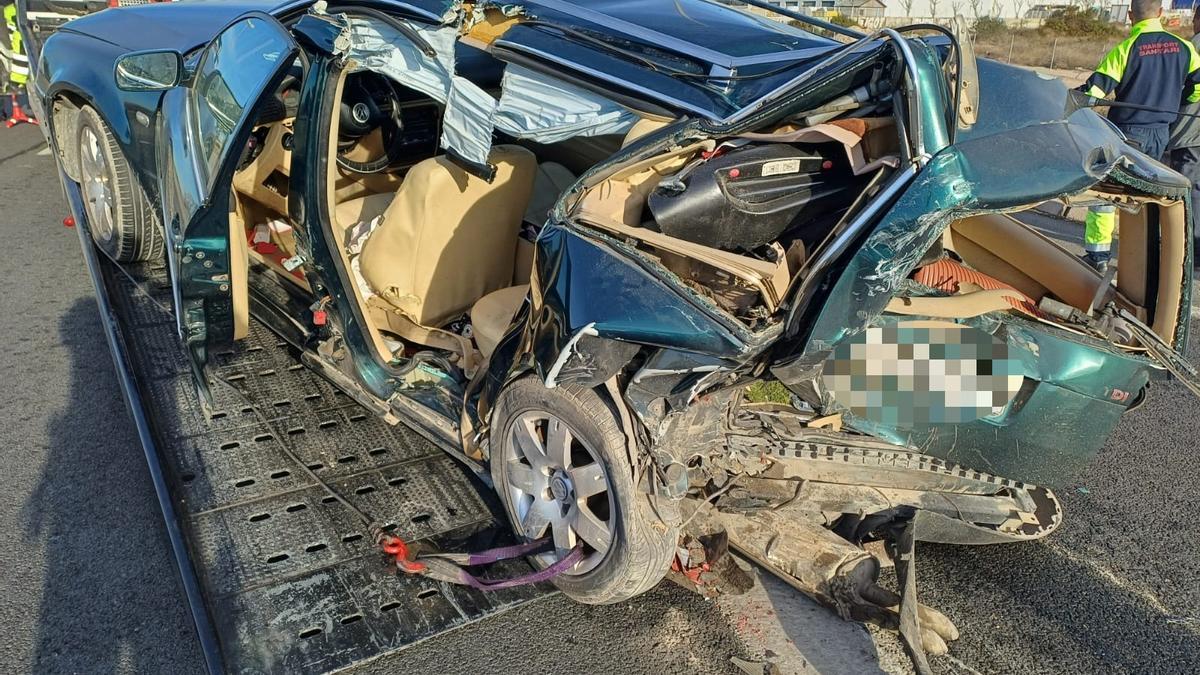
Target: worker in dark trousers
{"type": "Point", "coordinates": [1153, 68]}
{"type": "Point", "coordinates": [1183, 148]}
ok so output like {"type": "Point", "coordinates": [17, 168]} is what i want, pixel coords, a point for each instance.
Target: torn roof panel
{"type": "Point", "coordinates": [715, 32]}
{"type": "Point", "coordinates": [531, 105]}
{"type": "Point", "coordinates": [701, 37]}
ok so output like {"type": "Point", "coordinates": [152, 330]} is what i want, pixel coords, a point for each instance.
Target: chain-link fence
{"type": "Point", "coordinates": [1026, 41]}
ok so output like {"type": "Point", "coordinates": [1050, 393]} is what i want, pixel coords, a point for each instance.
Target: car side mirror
{"type": "Point", "coordinates": [149, 71]}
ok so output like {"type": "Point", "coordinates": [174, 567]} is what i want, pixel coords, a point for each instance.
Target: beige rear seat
{"type": "Point", "coordinates": [493, 314]}
{"type": "Point", "coordinates": [1002, 247]}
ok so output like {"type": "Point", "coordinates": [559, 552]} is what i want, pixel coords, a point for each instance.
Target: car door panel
{"type": "Point", "coordinates": [202, 130]}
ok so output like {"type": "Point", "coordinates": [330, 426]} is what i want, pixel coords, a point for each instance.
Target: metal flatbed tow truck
{"type": "Point", "coordinates": [609, 397]}
{"type": "Point", "coordinates": [279, 575]}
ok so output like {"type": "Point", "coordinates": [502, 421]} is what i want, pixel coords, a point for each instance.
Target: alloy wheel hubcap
{"type": "Point", "coordinates": [560, 488]}
{"type": "Point", "coordinates": [557, 486]}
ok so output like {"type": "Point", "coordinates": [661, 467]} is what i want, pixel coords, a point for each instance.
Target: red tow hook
{"type": "Point", "coordinates": [395, 548]}
{"type": "Point", "coordinates": [69, 221]}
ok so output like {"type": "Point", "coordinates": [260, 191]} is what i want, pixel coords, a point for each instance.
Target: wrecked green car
{"type": "Point", "coordinates": [674, 290]}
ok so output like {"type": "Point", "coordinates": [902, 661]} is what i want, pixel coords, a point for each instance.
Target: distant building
{"type": "Point", "coordinates": [849, 8]}
{"type": "Point", "coordinates": [1044, 11]}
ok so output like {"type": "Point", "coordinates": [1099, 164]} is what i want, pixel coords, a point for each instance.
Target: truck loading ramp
{"type": "Point", "coordinates": [289, 580]}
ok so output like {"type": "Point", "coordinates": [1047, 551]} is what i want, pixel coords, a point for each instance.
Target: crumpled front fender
{"type": "Point", "coordinates": [590, 309]}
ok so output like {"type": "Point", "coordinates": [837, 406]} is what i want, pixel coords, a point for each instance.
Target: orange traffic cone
{"type": "Point", "coordinates": [18, 116]}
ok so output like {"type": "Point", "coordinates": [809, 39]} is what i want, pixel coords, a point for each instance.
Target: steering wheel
{"type": "Point", "coordinates": [369, 103]}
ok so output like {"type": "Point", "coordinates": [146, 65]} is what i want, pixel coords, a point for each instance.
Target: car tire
{"type": "Point", "coordinates": [120, 218]}
{"type": "Point", "coordinates": [640, 544]}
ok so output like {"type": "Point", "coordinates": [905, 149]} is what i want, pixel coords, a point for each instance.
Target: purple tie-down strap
{"type": "Point", "coordinates": [544, 574]}
{"type": "Point", "coordinates": [506, 552]}
{"type": "Point", "coordinates": [492, 554]}
{"type": "Point", "coordinates": [440, 567]}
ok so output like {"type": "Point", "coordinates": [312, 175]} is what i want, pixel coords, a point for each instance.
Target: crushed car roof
{"type": "Point", "coordinates": [698, 57]}
{"type": "Point", "coordinates": [727, 37]}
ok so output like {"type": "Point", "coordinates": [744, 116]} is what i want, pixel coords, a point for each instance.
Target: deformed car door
{"type": "Point", "coordinates": [202, 130]}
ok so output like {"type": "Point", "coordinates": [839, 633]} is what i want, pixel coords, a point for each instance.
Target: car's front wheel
{"type": "Point", "coordinates": [560, 465]}
{"type": "Point", "coordinates": [120, 217]}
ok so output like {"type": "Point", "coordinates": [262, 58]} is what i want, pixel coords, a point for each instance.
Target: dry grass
{"type": "Point", "coordinates": [1031, 48]}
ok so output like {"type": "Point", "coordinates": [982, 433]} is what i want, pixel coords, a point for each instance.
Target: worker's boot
{"type": "Point", "coordinates": [1096, 262]}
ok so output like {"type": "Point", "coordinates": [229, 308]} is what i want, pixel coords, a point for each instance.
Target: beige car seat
{"type": "Point", "coordinates": [551, 181]}
{"type": "Point", "coordinates": [448, 238]}
{"type": "Point", "coordinates": [493, 313]}
{"type": "Point", "coordinates": [642, 127]}
{"type": "Point", "coordinates": [354, 211]}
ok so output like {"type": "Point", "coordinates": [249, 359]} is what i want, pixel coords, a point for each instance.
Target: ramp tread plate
{"type": "Point", "coordinates": [268, 540]}
{"type": "Point", "coordinates": [290, 578]}
{"type": "Point", "coordinates": [337, 616]}
{"type": "Point", "coordinates": [247, 463]}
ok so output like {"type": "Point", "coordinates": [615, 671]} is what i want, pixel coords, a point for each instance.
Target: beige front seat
{"type": "Point", "coordinates": [448, 238]}
{"type": "Point", "coordinates": [642, 127]}
{"type": "Point", "coordinates": [355, 211]}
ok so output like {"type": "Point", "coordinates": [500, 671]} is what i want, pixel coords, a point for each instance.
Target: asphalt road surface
{"type": "Point", "coordinates": [89, 586]}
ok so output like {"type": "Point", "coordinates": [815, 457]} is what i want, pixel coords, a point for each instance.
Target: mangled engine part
{"type": "Point", "coordinates": [839, 474]}
{"type": "Point", "coordinates": [702, 561]}
{"type": "Point", "coordinates": [831, 570]}
{"type": "Point", "coordinates": [801, 499]}
{"type": "Point", "coordinates": [823, 493]}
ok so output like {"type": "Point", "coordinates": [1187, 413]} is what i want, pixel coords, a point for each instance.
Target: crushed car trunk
{"type": "Point", "coordinates": [791, 234]}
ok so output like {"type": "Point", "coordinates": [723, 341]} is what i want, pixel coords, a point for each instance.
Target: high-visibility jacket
{"type": "Point", "coordinates": [18, 72]}
{"type": "Point", "coordinates": [1151, 67]}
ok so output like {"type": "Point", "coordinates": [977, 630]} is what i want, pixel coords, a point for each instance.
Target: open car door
{"type": "Point", "coordinates": [202, 131]}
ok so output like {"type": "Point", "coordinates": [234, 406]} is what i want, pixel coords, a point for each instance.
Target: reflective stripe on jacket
{"type": "Point", "coordinates": [1186, 131]}
{"type": "Point", "coordinates": [1151, 67]}
{"type": "Point", "coordinates": [19, 67]}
